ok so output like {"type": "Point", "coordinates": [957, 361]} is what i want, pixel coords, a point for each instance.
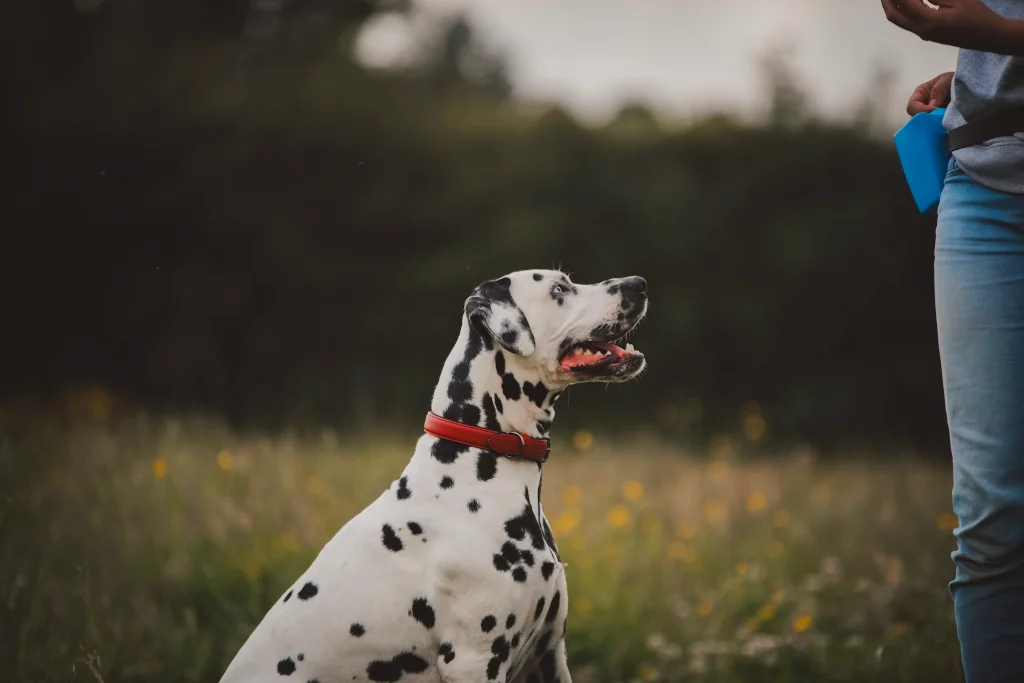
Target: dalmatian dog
{"type": "Point", "coordinates": [452, 574]}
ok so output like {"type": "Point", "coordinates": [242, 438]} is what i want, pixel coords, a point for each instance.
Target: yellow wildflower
{"type": "Point", "coordinates": [159, 468]}
{"type": "Point", "coordinates": [686, 531]}
{"type": "Point", "coordinates": [677, 551]}
{"type": "Point", "coordinates": [619, 517]}
{"type": "Point", "coordinates": [583, 440]}
{"type": "Point", "coordinates": [568, 521]}
{"type": "Point", "coordinates": [225, 461]}
{"type": "Point", "coordinates": [756, 501]}
{"type": "Point", "coordinates": [705, 608]}
{"type": "Point", "coordinates": [632, 490]}
{"type": "Point", "coordinates": [742, 568]}
{"type": "Point", "coordinates": [766, 613]}
{"type": "Point", "coordinates": [571, 495]}
{"type": "Point", "coordinates": [714, 510]}
{"type": "Point", "coordinates": [802, 623]}
{"type": "Point", "coordinates": [947, 521]}
{"type": "Point", "coordinates": [648, 673]}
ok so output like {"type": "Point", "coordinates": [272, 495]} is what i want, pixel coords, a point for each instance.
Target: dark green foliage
{"type": "Point", "coordinates": [206, 214]}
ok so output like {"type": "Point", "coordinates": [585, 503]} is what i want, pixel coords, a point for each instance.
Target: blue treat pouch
{"type": "Point", "coordinates": [921, 146]}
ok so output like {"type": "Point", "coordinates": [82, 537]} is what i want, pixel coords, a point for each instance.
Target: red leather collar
{"type": "Point", "coordinates": [510, 444]}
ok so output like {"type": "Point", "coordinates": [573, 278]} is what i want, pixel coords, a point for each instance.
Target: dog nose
{"type": "Point", "coordinates": [635, 283]}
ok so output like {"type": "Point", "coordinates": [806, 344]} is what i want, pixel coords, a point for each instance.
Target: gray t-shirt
{"type": "Point", "coordinates": [986, 83]}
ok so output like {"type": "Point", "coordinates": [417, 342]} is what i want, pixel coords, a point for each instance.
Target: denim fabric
{"type": "Point", "coordinates": [979, 301]}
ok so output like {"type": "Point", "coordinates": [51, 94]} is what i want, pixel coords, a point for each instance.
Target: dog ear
{"type": "Point", "coordinates": [493, 312]}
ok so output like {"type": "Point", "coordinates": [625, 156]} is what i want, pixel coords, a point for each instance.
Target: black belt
{"type": "Point", "coordinates": [997, 125]}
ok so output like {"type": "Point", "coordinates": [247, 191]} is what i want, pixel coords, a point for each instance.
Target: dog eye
{"type": "Point", "coordinates": [558, 289]}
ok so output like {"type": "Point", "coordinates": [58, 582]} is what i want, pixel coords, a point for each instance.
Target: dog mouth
{"type": "Point", "coordinates": [598, 359]}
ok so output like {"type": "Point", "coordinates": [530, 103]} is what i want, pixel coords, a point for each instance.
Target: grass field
{"type": "Point", "coordinates": [147, 550]}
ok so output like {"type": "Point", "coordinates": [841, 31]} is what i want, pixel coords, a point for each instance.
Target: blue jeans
{"type": "Point", "coordinates": [979, 303]}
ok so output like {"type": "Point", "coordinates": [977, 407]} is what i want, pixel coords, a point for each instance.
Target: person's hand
{"type": "Point", "coordinates": [931, 95]}
{"type": "Point", "coordinates": [967, 24]}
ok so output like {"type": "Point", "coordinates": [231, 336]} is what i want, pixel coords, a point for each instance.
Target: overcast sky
{"type": "Point", "coordinates": [685, 56]}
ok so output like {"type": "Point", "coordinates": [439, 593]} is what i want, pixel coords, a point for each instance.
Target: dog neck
{"type": "Point", "coordinates": [484, 385]}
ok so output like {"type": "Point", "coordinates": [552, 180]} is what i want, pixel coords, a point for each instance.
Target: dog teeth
{"type": "Point", "coordinates": [577, 351]}
{"type": "Point", "coordinates": [629, 348]}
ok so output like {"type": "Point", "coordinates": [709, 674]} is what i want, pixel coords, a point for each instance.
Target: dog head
{"type": "Point", "coordinates": [566, 333]}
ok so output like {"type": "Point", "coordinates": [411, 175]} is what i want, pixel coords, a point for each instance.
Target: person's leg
{"type": "Point", "coordinates": [979, 300]}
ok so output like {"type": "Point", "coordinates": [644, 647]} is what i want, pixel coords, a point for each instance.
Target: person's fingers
{"type": "Point", "coordinates": [920, 99]}
{"type": "Point", "coordinates": [916, 11]}
{"type": "Point", "coordinates": [895, 16]}
{"type": "Point", "coordinates": [942, 90]}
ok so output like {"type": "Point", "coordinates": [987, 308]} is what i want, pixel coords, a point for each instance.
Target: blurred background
{"type": "Point", "coordinates": [238, 235]}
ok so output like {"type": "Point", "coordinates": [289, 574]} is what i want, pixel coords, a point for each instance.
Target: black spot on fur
{"type": "Point", "coordinates": [540, 609]}
{"type": "Point", "coordinates": [287, 596]}
{"type": "Point", "coordinates": [527, 557]}
{"type": "Point", "coordinates": [447, 652]}
{"type": "Point", "coordinates": [510, 387]}
{"type": "Point", "coordinates": [500, 563]}
{"type": "Point", "coordinates": [313, 680]}
{"type": "Point", "coordinates": [515, 640]}
{"type": "Point", "coordinates": [519, 574]}
{"type": "Point", "coordinates": [473, 505]}
{"type": "Point", "coordinates": [556, 601]}
{"type": "Point", "coordinates": [560, 300]}
{"type": "Point", "coordinates": [488, 623]}
{"type": "Point", "coordinates": [422, 612]}
{"type": "Point", "coordinates": [537, 393]}
{"type": "Point", "coordinates": [403, 488]}
{"type": "Point", "coordinates": [286, 667]}
{"type": "Point", "coordinates": [510, 552]}
{"type": "Point", "coordinates": [490, 416]}
{"type": "Point", "coordinates": [499, 363]}
{"type": "Point", "coordinates": [538, 277]}
{"type": "Point", "coordinates": [471, 415]}
{"type": "Point", "coordinates": [613, 289]}
{"type": "Point", "coordinates": [542, 643]}
{"type": "Point", "coordinates": [500, 650]}
{"type": "Point", "coordinates": [525, 523]}
{"type": "Point", "coordinates": [308, 591]}
{"type": "Point", "coordinates": [510, 621]}
{"type": "Point", "coordinates": [447, 482]}
{"type": "Point", "coordinates": [547, 667]}
{"type": "Point", "coordinates": [414, 528]}
{"type": "Point", "coordinates": [357, 630]}
{"type": "Point", "coordinates": [390, 671]}
{"type": "Point", "coordinates": [460, 389]}
{"type": "Point", "coordinates": [486, 466]}
{"type": "Point", "coordinates": [446, 452]}
{"type": "Point", "coordinates": [301, 657]}
{"type": "Point", "coordinates": [550, 539]}
{"type": "Point", "coordinates": [391, 540]}
{"type": "Point", "coordinates": [565, 625]}
{"type": "Point", "coordinates": [543, 426]}
{"type": "Point", "coordinates": [546, 569]}
{"type": "Point", "coordinates": [498, 405]}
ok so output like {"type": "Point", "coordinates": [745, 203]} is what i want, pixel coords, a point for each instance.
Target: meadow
{"type": "Point", "coordinates": [146, 548]}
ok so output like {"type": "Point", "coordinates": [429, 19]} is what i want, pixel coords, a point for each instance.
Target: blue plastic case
{"type": "Point", "coordinates": [921, 146]}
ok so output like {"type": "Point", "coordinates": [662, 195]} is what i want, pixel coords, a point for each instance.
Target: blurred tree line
{"type": "Point", "coordinates": [212, 204]}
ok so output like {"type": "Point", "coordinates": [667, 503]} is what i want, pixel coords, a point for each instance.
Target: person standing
{"type": "Point", "coordinates": [979, 302]}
